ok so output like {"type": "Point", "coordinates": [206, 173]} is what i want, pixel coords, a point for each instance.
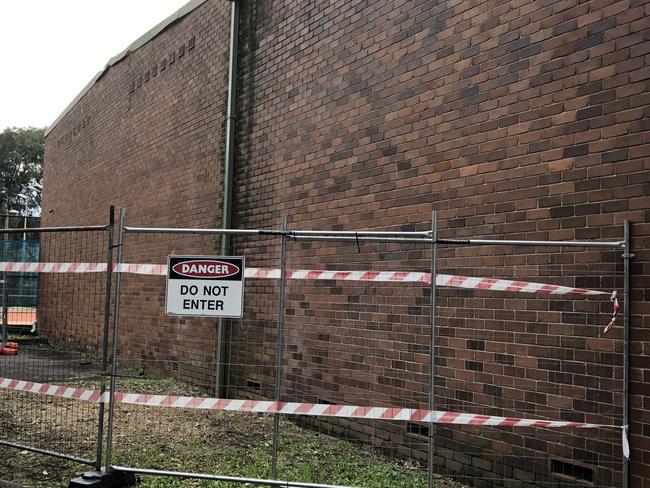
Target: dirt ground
{"type": "Point", "coordinates": [44, 364]}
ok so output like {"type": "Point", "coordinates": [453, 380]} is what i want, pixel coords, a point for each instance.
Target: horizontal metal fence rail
{"type": "Point", "coordinates": [44, 359]}
{"type": "Point", "coordinates": [368, 235]}
{"type": "Point", "coordinates": [428, 238]}
{"type": "Point", "coordinates": [40, 230]}
{"type": "Point", "coordinates": [233, 479]}
{"type": "Point", "coordinates": [46, 452]}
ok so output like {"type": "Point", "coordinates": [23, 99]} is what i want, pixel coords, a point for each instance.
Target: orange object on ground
{"type": "Point", "coordinates": [8, 351]}
{"type": "Point", "coordinates": [21, 317]}
{"type": "Point", "coordinates": [12, 345]}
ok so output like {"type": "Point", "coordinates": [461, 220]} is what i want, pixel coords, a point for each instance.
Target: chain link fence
{"type": "Point", "coordinates": [20, 289]}
{"type": "Point", "coordinates": [338, 373]}
{"type": "Point", "coordinates": [62, 346]}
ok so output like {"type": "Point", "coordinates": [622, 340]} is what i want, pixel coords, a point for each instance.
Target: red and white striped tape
{"type": "Point", "coordinates": [614, 299]}
{"type": "Point", "coordinates": [53, 267]}
{"type": "Point", "coordinates": [443, 280]}
{"type": "Point", "coordinates": [290, 408]}
{"type": "Point", "coordinates": [452, 281]}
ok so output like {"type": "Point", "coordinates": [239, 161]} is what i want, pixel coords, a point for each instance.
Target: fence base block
{"type": "Point", "coordinates": [104, 479]}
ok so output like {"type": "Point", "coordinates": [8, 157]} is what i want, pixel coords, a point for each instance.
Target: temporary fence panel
{"type": "Point", "coordinates": [22, 287]}
{"type": "Point", "coordinates": [176, 356]}
{"type": "Point", "coordinates": [355, 337]}
{"type": "Point", "coordinates": [154, 348]}
{"type": "Point", "coordinates": [330, 369]}
{"type": "Point", "coordinates": [66, 350]}
{"type": "Point", "coordinates": [542, 354]}
{"type": "Point", "coordinates": [328, 327]}
{"type": "Point", "coordinates": [499, 352]}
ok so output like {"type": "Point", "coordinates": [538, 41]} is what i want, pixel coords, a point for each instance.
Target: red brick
{"type": "Point", "coordinates": [528, 121]}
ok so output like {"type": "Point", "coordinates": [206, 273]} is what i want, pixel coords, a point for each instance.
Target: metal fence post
{"type": "Point", "coordinates": [280, 350]}
{"type": "Point", "coordinates": [432, 344]}
{"type": "Point", "coordinates": [107, 313]}
{"type": "Point", "coordinates": [5, 308]}
{"type": "Point", "coordinates": [116, 323]}
{"type": "Point", "coordinates": [5, 286]}
{"type": "Point", "coordinates": [627, 256]}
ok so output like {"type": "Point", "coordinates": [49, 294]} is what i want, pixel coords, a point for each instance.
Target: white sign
{"type": "Point", "coordinates": [205, 286]}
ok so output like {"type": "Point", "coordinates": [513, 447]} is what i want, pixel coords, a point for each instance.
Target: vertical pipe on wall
{"type": "Point", "coordinates": [226, 220]}
{"type": "Point", "coordinates": [627, 256]}
{"type": "Point", "coordinates": [230, 122]}
{"type": "Point", "coordinates": [116, 324]}
{"type": "Point", "coordinates": [432, 344]}
{"type": "Point", "coordinates": [280, 346]}
{"type": "Point", "coordinates": [107, 313]}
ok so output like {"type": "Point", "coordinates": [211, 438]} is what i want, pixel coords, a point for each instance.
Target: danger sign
{"type": "Point", "coordinates": [205, 286]}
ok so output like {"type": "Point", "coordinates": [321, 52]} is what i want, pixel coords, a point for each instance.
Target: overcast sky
{"type": "Point", "coordinates": [52, 48]}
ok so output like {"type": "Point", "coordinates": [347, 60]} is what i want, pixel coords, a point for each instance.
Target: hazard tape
{"type": "Point", "coordinates": [53, 267]}
{"type": "Point", "coordinates": [442, 280]}
{"type": "Point", "coordinates": [614, 300]}
{"type": "Point", "coordinates": [290, 408]}
{"type": "Point", "coordinates": [452, 281]}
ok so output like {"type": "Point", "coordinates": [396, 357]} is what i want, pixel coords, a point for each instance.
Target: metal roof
{"type": "Point", "coordinates": [137, 44]}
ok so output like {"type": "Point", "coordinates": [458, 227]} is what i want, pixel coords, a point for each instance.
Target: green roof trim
{"type": "Point", "coordinates": [135, 45]}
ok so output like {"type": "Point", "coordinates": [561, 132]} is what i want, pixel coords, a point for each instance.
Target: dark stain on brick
{"type": "Point", "coordinates": [602, 25]}
{"type": "Point", "coordinates": [456, 223]}
{"type": "Point", "coordinates": [474, 365]}
{"type": "Point", "coordinates": [565, 27]}
{"type": "Point", "coordinates": [575, 151]}
{"type": "Point", "coordinates": [589, 112]}
{"type": "Point", "coordinates": [508, 359]}
{"type": "Point", "coordinates": [614, 156]}
{"type": "Point", "coordinates": [589, 42]}
{"type": "Point", "coordinates": [476, 345]}
{"type": "Point", "coordinates": [588, 88]}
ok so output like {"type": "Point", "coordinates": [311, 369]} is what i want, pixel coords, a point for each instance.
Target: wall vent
{"type": "Point", "coordinates": [570, 470]}
{"type": "Point", "coordinates": [253, 385]}
{"type": "Point", "coordinates": [418, 429]}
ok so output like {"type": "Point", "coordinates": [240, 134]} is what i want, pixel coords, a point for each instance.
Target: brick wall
{"type": "Point", "coordinates": [148, 137]}
{"type": "Point", "coordinates": [523, 120]}
{"type": "Point", "coordinates": [510, 119]}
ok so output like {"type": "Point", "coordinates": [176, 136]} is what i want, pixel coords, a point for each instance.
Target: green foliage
{"type": "Point", "coordinates": [21, 170]}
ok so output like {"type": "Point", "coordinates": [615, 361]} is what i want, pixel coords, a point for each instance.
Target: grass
{"type": "Point", "coordinates": [227, 443]}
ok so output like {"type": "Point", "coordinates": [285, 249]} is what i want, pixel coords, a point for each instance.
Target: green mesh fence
{"type": "Point", "coordinates": [22, 288]}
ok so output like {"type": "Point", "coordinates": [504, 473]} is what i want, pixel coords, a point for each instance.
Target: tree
{"type": "Point", "coordinates": [21, 170]}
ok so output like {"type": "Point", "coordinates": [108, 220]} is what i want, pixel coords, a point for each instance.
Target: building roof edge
{"type": "Point", "coordinates": [135, 45]}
